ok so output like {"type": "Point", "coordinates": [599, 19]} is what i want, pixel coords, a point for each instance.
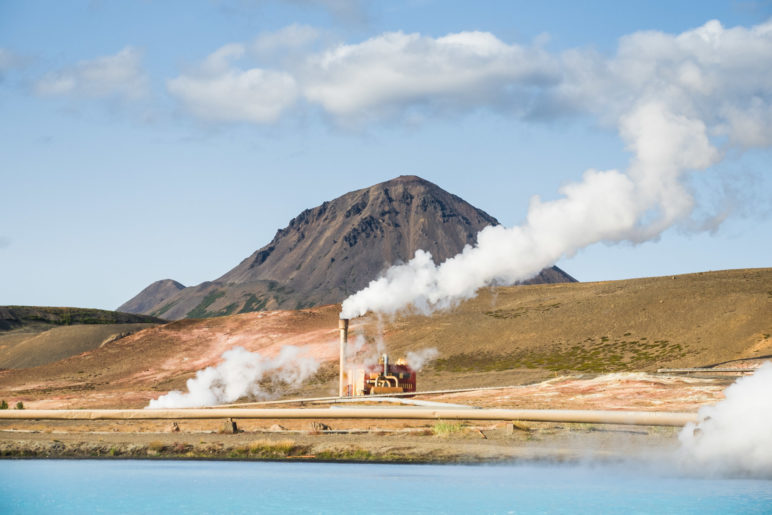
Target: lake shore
{"type": "Point", "coordinates": [397, 442]}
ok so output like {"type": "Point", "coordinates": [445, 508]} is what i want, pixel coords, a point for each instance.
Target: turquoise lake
{"type": "Point", "coordinates": [169, 487]}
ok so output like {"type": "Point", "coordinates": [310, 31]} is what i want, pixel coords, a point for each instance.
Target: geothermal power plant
{"type": "Point", "coordinates": [383, 378]}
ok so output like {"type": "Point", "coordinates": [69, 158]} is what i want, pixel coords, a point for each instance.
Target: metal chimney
{"type": "Point", "coordinates": [343, 327]}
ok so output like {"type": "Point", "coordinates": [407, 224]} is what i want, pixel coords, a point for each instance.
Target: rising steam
{"type": "Point", "coordinates": [420, 358]}
{"type": "Point", "coordinates": [671, 101]}
{"type": "Point", "coordinates": [734, 437]}
{"type": "Point", "coordinates": [241, 374]}
{"type": "Point", "coordinates": [608, 206]}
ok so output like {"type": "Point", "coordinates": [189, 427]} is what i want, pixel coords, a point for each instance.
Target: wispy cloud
{"type": "Point", "coordinates": [290, 38]}
{"type": "Point", "coordinates": [118, 75]}
{"type": "Point", "coordinates": [222, 92]}
{"type": "Point", "coordinates": [8, 59]}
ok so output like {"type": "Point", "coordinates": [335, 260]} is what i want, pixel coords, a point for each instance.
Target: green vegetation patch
{"type": "Point", "coordinates": [591, 355]}
{"type": "Point", "coordinates": [18, 315]}
{"type": "Point", "coordinates": [200, 310]}
{"type": "Point", "coordinates": [254, 303]}
{"type": "Point", "coordinates": [165, 308]}
{"type": "Point", "coordinates": [445, 429]}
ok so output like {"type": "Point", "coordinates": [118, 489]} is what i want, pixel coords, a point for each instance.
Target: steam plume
{"type": "Point", "coordinates": [418, 359]}
{"type": "Point", "coordinates": [608, 206]}
{"type": "Point", "coordinates": [669, 117]}
{"type": "Point", "coordinates": [734, 437]}
{"type": "Point", "coordinates": [240, 375]}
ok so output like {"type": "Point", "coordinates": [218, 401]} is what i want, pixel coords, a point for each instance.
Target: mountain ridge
{"type": "Point", "coordinates": [328, 252]}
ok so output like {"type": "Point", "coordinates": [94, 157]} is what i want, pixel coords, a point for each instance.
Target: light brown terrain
{"type": "Point", "coordinates": [505, 336]}
{"type": "Point", "coordinates": [561, 346]}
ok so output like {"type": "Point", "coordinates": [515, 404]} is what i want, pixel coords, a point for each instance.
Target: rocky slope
{"type": "Point", "coordinates": [155, 294]}
{"type": "Point", "coordinates": [333, 250]}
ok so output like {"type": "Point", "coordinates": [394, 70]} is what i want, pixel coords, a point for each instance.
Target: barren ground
{"type": "Point", "coordinates": [576, 346]}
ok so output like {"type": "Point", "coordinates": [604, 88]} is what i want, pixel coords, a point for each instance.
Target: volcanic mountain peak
{"type": "Point", "coordinates": [333, 250]}
{"type": "Point", "coordinates": [368, 230]}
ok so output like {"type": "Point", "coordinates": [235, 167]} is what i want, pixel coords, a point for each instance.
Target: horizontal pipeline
{"type": "Point", "coordinates": [705, 370]}
{"type": "Point", "coordinates": [636, 418]}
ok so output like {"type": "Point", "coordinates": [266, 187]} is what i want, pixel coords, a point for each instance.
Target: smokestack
{"type": "Point", "coordinates": [343, 327]}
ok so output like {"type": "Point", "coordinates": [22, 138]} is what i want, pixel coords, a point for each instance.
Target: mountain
{"type": "Point", "coordinates": [153, 295]}
{"type": "Point", "coordinates": [333, 250]}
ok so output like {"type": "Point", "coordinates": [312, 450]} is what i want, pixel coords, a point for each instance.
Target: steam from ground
{"type": "Point", "coordinates": [418, 359]}
{"type": "Point", "coordinates": [241, 374]}
{"type": "Point", "coordinates": [734, 437]}
{"type": "Point", "coordinates": [673, 100]}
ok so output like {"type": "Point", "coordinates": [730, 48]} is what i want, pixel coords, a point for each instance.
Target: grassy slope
{"type": "Point", "coordinates": [32, 349]}
{"type": "Point", "coordinates": [519, 333]}
{"type": "Point", "coordinates": [19, 317]}
{"type": "Point", "coordinates": [32, 335]}
{"type": "Point", "coordinates": [639, 324]}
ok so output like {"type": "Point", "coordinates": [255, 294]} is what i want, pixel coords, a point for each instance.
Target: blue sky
{"type": "Point", "coordinates": [131, 154]}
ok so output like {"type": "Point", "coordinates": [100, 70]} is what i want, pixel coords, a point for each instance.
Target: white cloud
{"type": "Point", "coordinates": [394, 71]}
{"type": "Point", "coordinates": [220, 92]}
{"type": "Point", "coordinates": [720, 77]}
{"type": "Point", "coordinates": [119, 75]}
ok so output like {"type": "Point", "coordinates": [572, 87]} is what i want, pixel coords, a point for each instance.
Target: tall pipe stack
{"type": "Point", "coordinates": [343, 327]}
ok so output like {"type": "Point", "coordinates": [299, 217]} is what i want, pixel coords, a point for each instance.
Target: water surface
{"type": "Point", "coordinates": [142, 486]}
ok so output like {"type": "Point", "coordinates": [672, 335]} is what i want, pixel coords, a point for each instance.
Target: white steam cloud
{"type": "Point", "coordinates": [734, 437]}
{"type": "Point", "coordinates": [671, 118]}
{"type": "Point", "coordinates": [241, 374]}
{"type": "Point", "coordinates": [420, 358]}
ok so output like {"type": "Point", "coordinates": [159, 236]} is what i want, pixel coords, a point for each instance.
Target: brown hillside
{"type": "Point", "coordinates": [32, 348]}
{"type": "Point", "coordinates": [504, 336]}
{"type": "Point", "coordinates": [333, 250]}
{"type": "Point", "coordinates": [155, 294]}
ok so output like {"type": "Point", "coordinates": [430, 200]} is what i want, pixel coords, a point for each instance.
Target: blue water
{"type": "Point", "coordinates": [171, 487]}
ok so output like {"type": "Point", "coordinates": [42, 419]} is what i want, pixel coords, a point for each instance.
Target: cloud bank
{"type": "Point", "coordinates": [719, 74]}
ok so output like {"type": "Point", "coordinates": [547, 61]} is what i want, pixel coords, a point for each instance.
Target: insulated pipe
{"type": "Point", "coordinates": [343, 327]}
{"type": "Point", "coordinates": [635, 418]}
